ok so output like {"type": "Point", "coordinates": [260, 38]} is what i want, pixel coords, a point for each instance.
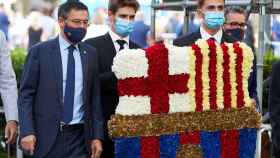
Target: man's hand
{"type": "Point", "coordinates": [96, 148]}
{"type": "Point", "coordinates": [28, 143]}
{"type": "Point", "coordinates": [11, 131]}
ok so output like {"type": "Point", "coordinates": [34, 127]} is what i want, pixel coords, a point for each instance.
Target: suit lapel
{"type": "Point", "coordinates": [57, 66]}
{"type": "Point", "coordinates": [84, 61]}
{"type": "Point", "coordinates": [195, 36]}
{"type": "Point", "coordinates": [109, 44]}
{"type": "Point", "coordinates": [198, 34]}
{"type": "Point", "coordinates": [108, 48]}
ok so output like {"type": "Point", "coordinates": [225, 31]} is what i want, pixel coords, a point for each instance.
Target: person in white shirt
{"type": "Point", "coordinates": [48, 24]}
{"type": "Point", "coordinates": [8, 91]}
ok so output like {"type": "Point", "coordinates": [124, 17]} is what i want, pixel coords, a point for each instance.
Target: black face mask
{"type": "Point", "coordinates": [237, 33]}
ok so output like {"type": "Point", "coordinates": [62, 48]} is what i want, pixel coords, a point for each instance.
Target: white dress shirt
{"type": "Point", "coordinates": [205, 35]}
{"type": "Point", "coordinates": [78, 108]}
{"type": "Point", "coordinates": [8, 83]}
{"type": "Point", "coordinates": [116, 37]}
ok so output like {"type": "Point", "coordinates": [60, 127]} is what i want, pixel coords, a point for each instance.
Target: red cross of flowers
{"type": "Point", "coordinates": [159, 84]}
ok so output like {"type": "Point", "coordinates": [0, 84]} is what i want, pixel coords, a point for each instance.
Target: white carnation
{"type": "Point", "coordinates": [178, 59]}
{"type": "Point", "coordinates": [130, 63]}
{"type": "Point", "coordinates": [180, 103]}
{"type": "Point", "coordinates": [134, 105]}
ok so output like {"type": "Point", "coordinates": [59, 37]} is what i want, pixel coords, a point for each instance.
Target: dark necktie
{"type": "Point", "coordinates": [121, 43]}
{"type": "Point", "coordinates": [212, 38]}
{"type": "Point", "coordinates": [70, 87]}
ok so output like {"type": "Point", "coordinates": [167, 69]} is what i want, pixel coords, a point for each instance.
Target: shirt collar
{"type": "Point", "coordinates": [116, 37]}
{"type": "Point", "coordinates": [64, 44]}
{"type": "Point", "coordinates": [206, 35]}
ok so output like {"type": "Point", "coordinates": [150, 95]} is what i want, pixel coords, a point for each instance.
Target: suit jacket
{"type": "Point", "coordinates": [187, 40]}
{"type": "Point", "coordinates": [41, 95]}
{"type": "Point", "coordinates": [8, 83]}
{"type": "Point", "coordinates": [106, 53]}
{"type": "Point", "coordinates": [109, 94]}
{"type": "Point", "coordinates": [274, 105]}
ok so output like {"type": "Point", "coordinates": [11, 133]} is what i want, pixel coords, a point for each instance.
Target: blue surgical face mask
{"type": "Point", "coordinates": [74, 35]}
{"type": "Point", "coordinates": [123, 27]}
{"type": "Point", "coordinates": [214, 20]}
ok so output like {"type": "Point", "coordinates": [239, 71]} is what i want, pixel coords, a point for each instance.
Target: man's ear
{"type": "Point", "coordinates": [110, 14]}
{"type": "Point", "coordinates": [200, 13]}
{"type": "Point", "coordinates": [61, 22]}
{"type": "Point", "coordinates": [111, 17]}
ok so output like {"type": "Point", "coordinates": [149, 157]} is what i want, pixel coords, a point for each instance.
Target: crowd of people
{"type": "Point", "coordinates": [68, 91]}
{"type": "Point", "coordinates": [40, 25]}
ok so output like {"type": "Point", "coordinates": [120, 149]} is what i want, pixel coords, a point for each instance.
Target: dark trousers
{"type": "Point", "coordinates": [276, 151]}
{"type": "Point", "coordinates": [108, 149]}
{"type": "Point", "coordinates": [69, 144]}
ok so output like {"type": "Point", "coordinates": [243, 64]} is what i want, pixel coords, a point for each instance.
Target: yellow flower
{"type": "Point", "coordinates": [232, 72]}
{"type": "Point", "coordinates": [246, 68]}
{"type": "Point", "coordinates": [205, 74]}
{"type": "Point", "coordinates": [220, 81]}
{"type": "Point", "coordinates": [248, 58]}
{"type": "Point", "coordinates": [191, 83]}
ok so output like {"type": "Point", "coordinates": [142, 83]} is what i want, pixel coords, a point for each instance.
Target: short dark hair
{"type": "Point", "coordinates": [114, 5]}
{"type": "Point", "coordinates": [200, 3]}
{"type": "Point", "coordinates": [65, 8]}
{"type": "Point", "coordinates": [235, 9]}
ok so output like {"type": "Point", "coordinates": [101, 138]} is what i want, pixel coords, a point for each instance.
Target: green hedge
{"type": "Point", "coordinates": [18, 56]}
{"type": "Point", "coordinates": [269, 59]}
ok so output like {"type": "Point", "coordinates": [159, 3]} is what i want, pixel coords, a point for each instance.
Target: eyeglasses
{"type": "Point", "coordinates": [237, 24]}
{"type": "Point", "coordinates": [79, 22]}
{"type": "Point", "coordinates": [214, 7]}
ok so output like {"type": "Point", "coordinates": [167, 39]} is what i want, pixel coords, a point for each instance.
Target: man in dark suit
{"type": "Point", "coordinates": [212, 14]}
{"type": "Point", "coordinates": [60, 114]}
{"type": "Point", "coordinates": [235, 26]}
{"type": "Point", "coordinates": [121, 16]}
{"type": "Point", "coordinates": [274, 108]}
